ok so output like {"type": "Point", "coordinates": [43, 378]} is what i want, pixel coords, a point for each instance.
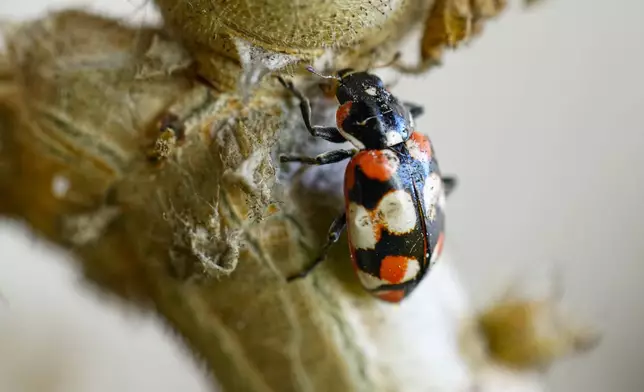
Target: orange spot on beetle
{"type": "Point", "coordinates": [393, 268]}
{"type": "Point", "coordinates": [423, 143]}
{"type": "Point", "coordinates": [391, 295]}
{"type": "Point", "coordinates": [343, 113]}
{"type": "Point", "coordinates": [349, 177]}
{"type": "Point", "coordinates": [376, 164]}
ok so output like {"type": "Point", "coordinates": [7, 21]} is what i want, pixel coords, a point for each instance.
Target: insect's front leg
{"type": "Point", "coordinates": [327, 133]}
{"type": "Point", "coordinates": [335, 231]}
{"type": "Point", "coordinates": [322, 159]}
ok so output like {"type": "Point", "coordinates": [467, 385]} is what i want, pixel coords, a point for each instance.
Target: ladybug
{"type": "Point", "coordinates": [393, 190]}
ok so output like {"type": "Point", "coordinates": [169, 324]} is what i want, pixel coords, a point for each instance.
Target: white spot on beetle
{"type": "Point", "coordinates": [441, 200]}
{"type": "Point", "coordinates": [393, 162]}
{"type": "Point", "coordinates": [414, 150]}
{"type": "Point", "coordinates": [371, 91]}
{"type": "Point", "coordinates": [361, 227]}
{"type": "Point", "coordinates": [431, 192]}
{"type": "Point", "coordinates": [397, 212]}
{"type": "Point", "coordinates": [393, 138]}
{"type": "Point", "coordinates": [369, 281]}
{"type": "Point", "coordinates": [431, 214]}
{"type": "Point", "coordinates": [413, 267]}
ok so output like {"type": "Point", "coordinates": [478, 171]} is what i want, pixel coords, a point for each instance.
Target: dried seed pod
{"type": "Point", "coordinates": [382, 45]}
{"type": "Point", "coordinates": [235, 43]}
{"type": "Point", "coordinates": [280, 26]}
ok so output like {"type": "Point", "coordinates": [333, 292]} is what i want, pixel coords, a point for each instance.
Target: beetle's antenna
{"type": "Point", "coordinates": [313, 71]}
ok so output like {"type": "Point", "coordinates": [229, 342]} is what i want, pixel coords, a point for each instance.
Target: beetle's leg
{"type": "Point", "coordinates": [336, 229]}
{"type": "Point", "coordinates": [449, 183]}
{"type": "Point", "coordinates": [415, 110]}
{"type": "Point", "coordinates": [327, 133]}
{"type": "Point", "coordinates": [322, 159]}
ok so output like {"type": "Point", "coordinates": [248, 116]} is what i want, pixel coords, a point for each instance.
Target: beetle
{"type": "Point", "coordinates": [393, 190]}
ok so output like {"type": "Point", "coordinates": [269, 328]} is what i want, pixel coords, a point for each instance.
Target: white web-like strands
{"type": "Point", "coordinates": [257, 63]}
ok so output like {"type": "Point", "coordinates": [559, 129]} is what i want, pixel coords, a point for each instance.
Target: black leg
{"type": "Point", "coordinates": [327, 133]}
{"type": "Point", "coordinates": [336, 229]}
{"type": "Point", "coordinates": [449, 183]}
{"type": "Point", "coordinates": [415, 110]}
{"type": "Point", "coordinates": [322, 159]}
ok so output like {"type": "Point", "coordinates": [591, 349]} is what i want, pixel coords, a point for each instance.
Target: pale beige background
{"type": "Point", "coordinates": [543, 121]}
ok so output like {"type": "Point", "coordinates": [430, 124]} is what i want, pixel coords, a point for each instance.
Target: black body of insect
{"type": "Point", "coordinates": [394, 192]}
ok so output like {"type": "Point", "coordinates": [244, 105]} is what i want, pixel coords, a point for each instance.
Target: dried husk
{"type": "Point", "coordinates": [356, 33]}
{"type": "Point", "coordinates": [281, 25]}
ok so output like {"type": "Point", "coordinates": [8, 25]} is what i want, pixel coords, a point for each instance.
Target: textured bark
{"type": "Point", "coordinates": [168, 191]}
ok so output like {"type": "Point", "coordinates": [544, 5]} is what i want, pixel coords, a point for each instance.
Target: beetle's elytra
{"type": "Point", "coordinates": [394, 192]}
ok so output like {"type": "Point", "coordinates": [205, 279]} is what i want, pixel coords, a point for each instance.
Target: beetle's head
{"type": "Point", "coordinates": [369, 116]}
{"type": "Point", "coordinates": [351, 85]}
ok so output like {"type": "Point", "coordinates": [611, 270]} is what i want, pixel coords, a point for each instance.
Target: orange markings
{"type": "Point", "coordinates": [393, 268]}
{"type": "Point", "coordinates": [391, 295]}
{"type": "Point", "coordinates": [350, 177]}
{"type": "Point", "coordinates": [423, 143]}
{"type": "Point", "coordinates": [375, 164]}
{"type": "Point", "coordinates": [343, 113]}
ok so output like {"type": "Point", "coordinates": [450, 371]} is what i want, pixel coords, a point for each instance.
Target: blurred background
{"type": "Point", "coordinates": [541, 119]}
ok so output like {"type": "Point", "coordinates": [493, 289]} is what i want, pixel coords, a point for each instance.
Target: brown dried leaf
{"type": "Point", "coordinates": [449, 24]}
{"type": "Point", "coordinates": [483, 10]}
